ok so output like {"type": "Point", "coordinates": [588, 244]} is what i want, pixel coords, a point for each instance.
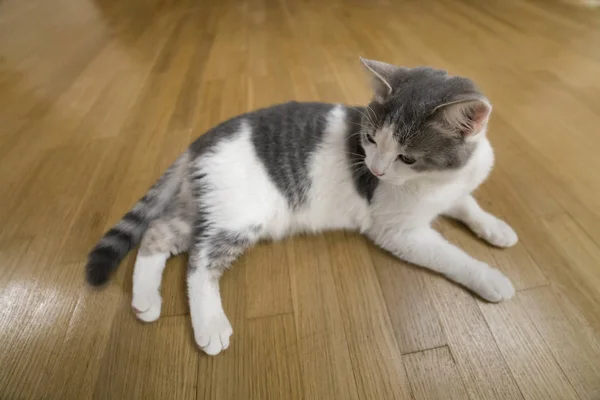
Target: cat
{"type": "Point", "coordinates": [387, 170]}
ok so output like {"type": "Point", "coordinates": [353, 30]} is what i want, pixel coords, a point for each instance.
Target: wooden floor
{"type": "Point", "coordinates": [97, 97]}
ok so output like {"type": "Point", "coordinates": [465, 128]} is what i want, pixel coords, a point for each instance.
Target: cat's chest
{"type": "Point", "coordinates": [413, 196]}
{"type": "Point", "coordinates": [414, 204]}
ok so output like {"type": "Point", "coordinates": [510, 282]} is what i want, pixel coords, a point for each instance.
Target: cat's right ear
{"type": "Point", "coordinates": [466, 117]}
{"type": "Point", "coordinates": [381, 75]}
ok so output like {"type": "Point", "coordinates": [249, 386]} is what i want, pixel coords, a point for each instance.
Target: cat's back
{"type": "Point", "coordinates": [292, 127]}
{"type": "Point", "coordinates": [283, 168]}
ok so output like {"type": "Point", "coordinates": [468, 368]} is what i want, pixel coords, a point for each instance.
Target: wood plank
{"type": "Point", "coordinates": [141, 359]}
{"type": "Point", "coordinates": [325, 357]}
{"type": "Point", "coordinates": [272, 357]}
{"type": "Point", "coordinates": [567, 336]}
{"type": "Point", "coordinates": [78, 381]}
{"type": "Point", "coordinates": [32, 347]}
{"type": "Point", "coordinates": [534, 368]}
{"type": "Point", "coordinates": [268, 281]}
{"type": "Point", "coordinates": [407, 293]}
{"type": "Point", "coordinates": [433, 375]}
{"type": "Point", "coordinates": [174, 287]}
{"type": "Point", "coordinates": [582, 253]}
{"type": "Point", "coordinates": [11, 254]}
{"type": "Point", "coordinates": [374, 352]}
{"type": "Point", "coordinates": [483, 369]}
{"type": "Point", "coordinates": [545, 251]}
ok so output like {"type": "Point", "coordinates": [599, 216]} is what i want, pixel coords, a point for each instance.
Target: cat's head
{"type": "Point", "coordinates": [421, 122]}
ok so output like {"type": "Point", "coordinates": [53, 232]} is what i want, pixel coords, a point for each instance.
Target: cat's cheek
{"type": "Point", "coordinates": [400, 174]}
{"type": "Point", "coordinates": [369, 153]}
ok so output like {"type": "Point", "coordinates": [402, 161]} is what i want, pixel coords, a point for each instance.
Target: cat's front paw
{"type": "Point", "coordinates": [496, 232]}
{"type": "Point", "coordinates": [212, 333]}
{"type": "Point", "coordinates": [493, 285]}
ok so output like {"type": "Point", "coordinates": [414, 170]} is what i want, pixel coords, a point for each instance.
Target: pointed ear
{"type": "Point", "coordinates": [381, 74]}
{"type": "Point", "coordinates": [464, 117]}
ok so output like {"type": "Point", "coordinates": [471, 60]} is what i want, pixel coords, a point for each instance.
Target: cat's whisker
{"type": "Point", "coordinates": [368, 108]}
{"type": "Point", "coordinates": [364, 127]}
{"type": "Point", "coordinates": [354, 134]}
{"type": "Point", "coordinates": [368, 117]}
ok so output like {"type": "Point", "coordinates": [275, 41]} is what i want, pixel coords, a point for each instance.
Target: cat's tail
{"type": "Point", "coordinates": [106, 256]}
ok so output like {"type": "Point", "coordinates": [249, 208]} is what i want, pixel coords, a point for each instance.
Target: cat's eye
{"type": "Point", "coordinates": [370, 139]}
{"type": "Point", "coordinates": [406, 159]}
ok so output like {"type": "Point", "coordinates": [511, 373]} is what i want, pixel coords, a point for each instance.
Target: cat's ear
{"type": "Point", "coordinates": [466, 117]}
{"type": "Point", "coordinates": [381, 75]}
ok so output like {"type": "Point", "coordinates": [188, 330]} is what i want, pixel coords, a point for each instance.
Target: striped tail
{"type": "Point", "coordinates": [106, 256]}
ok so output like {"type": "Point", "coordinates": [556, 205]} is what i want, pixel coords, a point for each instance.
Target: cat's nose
{"type": "Point", "coordinates": [376, 172]}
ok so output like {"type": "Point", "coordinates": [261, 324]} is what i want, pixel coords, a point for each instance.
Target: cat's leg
{"type": "Point", "coordinates": [164, 236]}
{"type": "Point", "coordinates": [425, 247]}
{"type": "Point", "coordinates": [485, 225]}
{"type": "Point", "coordinates": [210, 255]}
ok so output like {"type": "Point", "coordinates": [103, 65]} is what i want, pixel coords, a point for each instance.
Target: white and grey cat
{"type": "Point", "coordinates": [387, 170]}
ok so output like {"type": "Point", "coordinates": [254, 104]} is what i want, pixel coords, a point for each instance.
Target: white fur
{"type": "Point", "coordinates": [211, 326]}
{"type": "Point", "coordinates": [147, 276]}
{"type": "Point", "coordinates": [240, 194]}
{"type": "Point", "coordinates": [332, 200]}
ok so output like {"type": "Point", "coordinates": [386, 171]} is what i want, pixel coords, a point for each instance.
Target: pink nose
{"type": "Point", "coordinates": [377, 172]}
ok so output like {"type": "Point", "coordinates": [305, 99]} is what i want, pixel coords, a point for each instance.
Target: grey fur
{"type": "Point", "coordinates": [365, 182]}
{"type": "Point", "coordinates": [175, 219]}
{"type": "Point", "coordinates": [286, 156]}
{"type": "Point", "coordinates": [414, 107]}
{"type": "Point", "coordinates": [225, 247]}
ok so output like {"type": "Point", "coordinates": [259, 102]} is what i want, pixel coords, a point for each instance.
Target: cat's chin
{"type": "Point", "coordinates": [394, 181]}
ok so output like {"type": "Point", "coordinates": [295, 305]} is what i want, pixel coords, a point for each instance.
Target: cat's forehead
{"type": "Point", "coordinates": [418, 91]}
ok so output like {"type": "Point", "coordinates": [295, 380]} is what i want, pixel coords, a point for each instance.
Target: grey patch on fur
{"type": "Point", "coordinates": [172, 231]}
{"type": "Point", "coordinates": [208, 141]}
{"type": "Point", "coordinates": [365, 182]}
{"type": "Point", "coordinates": [416, 93]}
{"type": "Point", "coordinates": [224, 247]}
{"type": "Point", "coordinates": [167, 235]}
{"type": "Point", "coordinates": [284, 137]}
{"type": "Point", "coordinates": [221, 247]}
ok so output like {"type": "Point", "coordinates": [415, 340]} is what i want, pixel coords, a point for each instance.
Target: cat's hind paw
{"type": "Point", "coordinates": [213, 333]}
{"type": "Point", "coordinates": [147, 306]}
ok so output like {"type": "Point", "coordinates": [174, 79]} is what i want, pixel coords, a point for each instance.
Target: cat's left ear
{"type": "Point", "coordinates": [466, 117]}
{"type": "Point", "coordinates": [381, 74]}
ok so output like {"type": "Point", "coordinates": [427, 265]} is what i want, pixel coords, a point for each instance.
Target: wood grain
{"type": "Point", "coordinates": [274, 362]}
{"type": "Point", "coordinates": [375, 354]}
{"type": "Point", "coordinates": [484, 371]}
{"type": "Point", "coordinates": [97, 97]}
{"type": "Point", "coordinates": [325, 363]}
{"type": "Point", "coordinates": [534, 368]}
{"type": "Point", "coordinates": [568, 337]}
{"type": "Point", "coordinates": [158, 360]}
{"type": "Point", "coordinates": [433, 375]}
{"type": "Point", "coordinates": [268, 281]}
{"type": "Point", "coordinates": [410, 305]}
